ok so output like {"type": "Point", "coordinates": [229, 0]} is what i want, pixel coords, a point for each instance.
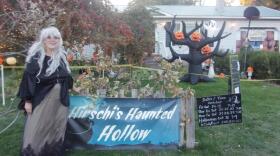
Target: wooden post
{"type": "Point", "coordinates": [190, 119]}
{"type": "Point", "coordinates": [2, 82]}
{"type": "Point", "coordinates": [101, 93]}
{"type": "Point", "coordinates": [182, 121]}
{"type": "Point", "coordinates": [134, 93]}
{"type": "Point", "coordinates": [121, 93]}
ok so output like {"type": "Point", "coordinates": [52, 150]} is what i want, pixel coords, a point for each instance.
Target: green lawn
{"type": "Point", "coordinates": [258, 134]}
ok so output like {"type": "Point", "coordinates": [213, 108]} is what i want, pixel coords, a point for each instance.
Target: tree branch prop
{"type": "Point", "coordinates": [208, 40]}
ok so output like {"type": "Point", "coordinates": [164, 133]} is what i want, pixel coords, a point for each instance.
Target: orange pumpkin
{"type": "Point", "coordinates": [206, 49]}
{"type": "Point", "coordinates": [196, 36]}
{"type": "Point", "coordinates": [1, 59]}
{"type": "Point", "coordinates": [222, 75]}
{"type": "Point", "coordinates": [179, 35]}
{"type": "Point", "coordinates": [250, 69]}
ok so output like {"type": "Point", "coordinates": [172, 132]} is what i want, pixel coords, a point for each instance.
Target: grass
{"type": "Point", "coordinates": [258, 134]}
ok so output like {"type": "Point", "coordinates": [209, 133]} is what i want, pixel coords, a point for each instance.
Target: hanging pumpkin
{"type": "Point", "coordinates": [206, 49]}
{"type": "Point", "coordinates": [195, 36]}
{"type": "Point", "coordinates": [179, 35]}
{"type": "Point", "coordinates": [11, 60]}
{"type": "Point", "coordinates": [70, 57]}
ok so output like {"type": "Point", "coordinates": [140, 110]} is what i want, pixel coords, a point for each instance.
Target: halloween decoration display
{"type": "Point", "coordinates": [195, 42]}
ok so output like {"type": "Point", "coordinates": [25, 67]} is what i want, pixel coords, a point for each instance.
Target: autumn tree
{"type": "Point", "coordinates": [275, 4]}
{"type": "Point", "coordinates": [93, 21]}
{"type": "Point", "coordinates": [81, 22]}
{"type": "Point", "coordinates": [141, 23]}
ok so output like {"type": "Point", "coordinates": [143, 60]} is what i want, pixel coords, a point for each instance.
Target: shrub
{"type": "Point", "coordinates": [266, 64]}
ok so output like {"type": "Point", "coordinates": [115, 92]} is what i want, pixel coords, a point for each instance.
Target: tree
{"type": "Point", "coordinates": [81, 22]}
{"type": "Point", "coordinates": [21, 21]}
{"type": "Point", "coordinates": [140, 20]}
{"type": "Point", "coordinates": [93, 21]}
{"type": "Point", "coordinates": [275, 4]}
{"type": "Point", "coordinates": [246, 2]}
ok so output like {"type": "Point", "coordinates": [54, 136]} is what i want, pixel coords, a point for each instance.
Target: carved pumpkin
{"type": "Point", "coordinates": [206, 49]}
{"type": "Point", "coordinates": [196, 36]}
{"type": "Point", "coordinates": [179, 35]}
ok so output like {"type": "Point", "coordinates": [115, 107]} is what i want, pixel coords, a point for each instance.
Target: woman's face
{"type": "Point", "coordinates": [51, 42]}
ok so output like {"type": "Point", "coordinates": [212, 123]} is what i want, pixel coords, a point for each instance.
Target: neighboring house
{"type": "Point", "coordinates": [264, 32]}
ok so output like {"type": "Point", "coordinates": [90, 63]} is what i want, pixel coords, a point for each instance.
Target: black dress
{"type": "Point", "coordinates": [44, 129]}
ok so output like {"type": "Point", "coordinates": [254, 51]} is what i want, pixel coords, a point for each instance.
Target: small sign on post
{"type": "Point", "coordinates": [235, 74]}
{"type": "Point", "coordinates": [217, 110]}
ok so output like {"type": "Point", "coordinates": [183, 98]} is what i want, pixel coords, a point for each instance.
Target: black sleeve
{"type": "Point", "coordinates": [70, 82]}
{"type": "Point", "coordinates": [27, 86]}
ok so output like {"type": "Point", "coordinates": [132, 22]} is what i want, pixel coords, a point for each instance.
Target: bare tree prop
{"type": "Point", "coordinates": [195, 56]}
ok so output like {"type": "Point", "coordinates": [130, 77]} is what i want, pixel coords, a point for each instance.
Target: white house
{"type": "Point", "coordinates": [263, 34]}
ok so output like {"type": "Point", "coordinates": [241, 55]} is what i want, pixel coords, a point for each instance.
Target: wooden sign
{"type": "Point", "coordinates": [235, 74]}
{"type": "Point", "coordinates": [217, 110]}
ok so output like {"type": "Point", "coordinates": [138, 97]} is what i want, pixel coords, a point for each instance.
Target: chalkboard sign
{"type": "Point", "coordinates": [235, 74]}
{"type": "Point", "coordinates": [217, 110]}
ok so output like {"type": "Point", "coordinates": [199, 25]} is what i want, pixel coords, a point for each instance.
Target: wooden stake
{"type": "Point", "coordinates": [2, 82]}
{"type": "Point", "coordinates": [182, 122]}
{"type": "Point", "coordinates": [190, 119]}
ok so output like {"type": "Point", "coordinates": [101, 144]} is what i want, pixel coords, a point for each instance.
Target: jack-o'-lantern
{"type": "Point", "coordinates": [206, 49]}
{"type": "Point", "coordinates": [195, 36]}
{"type": "Point", "coordinates": [179, 35]}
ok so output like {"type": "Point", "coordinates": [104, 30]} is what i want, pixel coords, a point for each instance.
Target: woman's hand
{"type": "Point", "coordinates": [28, 107]}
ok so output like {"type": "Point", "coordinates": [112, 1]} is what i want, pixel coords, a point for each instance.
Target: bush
{"type": "Point", "coordinates": [266, 64]}
{"type": "Point", "coordinates": [222, 65]}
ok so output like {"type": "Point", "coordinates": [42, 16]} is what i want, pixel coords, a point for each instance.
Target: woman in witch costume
{"type": "Point", "coordinates": [44, 96]}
